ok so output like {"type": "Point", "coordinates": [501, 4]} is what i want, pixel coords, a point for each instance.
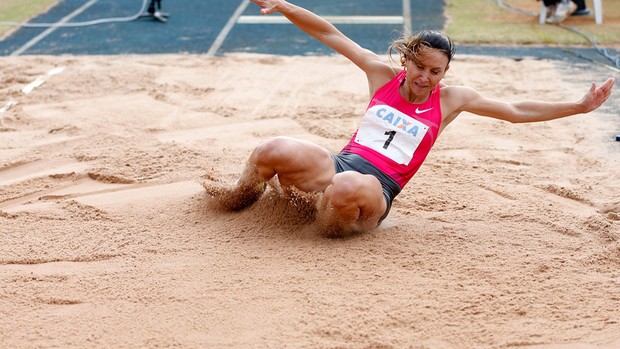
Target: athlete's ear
{"type": "Point", "coordinates": [446, 70]}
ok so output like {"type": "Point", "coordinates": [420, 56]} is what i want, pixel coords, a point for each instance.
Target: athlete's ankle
{"type": "Point", "coordinates": [236, 197]}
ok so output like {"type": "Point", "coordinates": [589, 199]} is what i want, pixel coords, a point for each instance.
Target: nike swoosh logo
{"type": "Point", "coordinates": [418, 111]}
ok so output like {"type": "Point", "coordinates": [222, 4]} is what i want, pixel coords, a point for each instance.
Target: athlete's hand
{"type": "Point", "coordinates": [268, 6]}
{"type": "Point", "coordinates": [597, 95]}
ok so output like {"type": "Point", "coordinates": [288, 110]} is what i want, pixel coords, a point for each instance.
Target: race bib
{"type": "Point", "coordinates": [390, 132]}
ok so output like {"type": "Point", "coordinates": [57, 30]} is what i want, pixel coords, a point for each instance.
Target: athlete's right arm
{"type": "Point", "coordinates": [329, 35]}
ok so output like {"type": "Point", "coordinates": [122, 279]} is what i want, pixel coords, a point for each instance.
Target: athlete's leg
{"type": "Point", "coordinates": [298, 163]}
{"type": "Point", "coordinates": [353, 203]}
{"type": "Point", "coordinates": [350, 201]}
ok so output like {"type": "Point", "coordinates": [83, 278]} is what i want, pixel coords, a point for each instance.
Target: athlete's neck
{"type": "Point", "coordinates": [410, 96]}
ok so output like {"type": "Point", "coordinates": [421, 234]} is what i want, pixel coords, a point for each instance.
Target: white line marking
{"type": "Point", "coordinates": [50, 30]}
{"type": "Point", "coordinates": [331, 19]}
{"type": "Point", "coordinates": [407, 22]}
{"type": "Point", "coordinates": [7, 106]}
{"type": "Point", "coordinates": [227, 28]}
{"type": "Point", "coordinates": [41, 79]}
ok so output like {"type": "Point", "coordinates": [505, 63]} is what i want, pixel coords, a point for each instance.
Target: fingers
{"type": "Point", "coordinates": [606, 87]}
{"type": "Point", "coordinates": [268, 11]}
{"type": "Point", "coordinates": [610, 82]}
{"type": "Point", "coordinates": [592, 88]}
{"type": "Point", "coordinates": [260, 3]}
{"type": "Point", "coordinates": [597, 95]}
{"type": "Point", "coordinates": [267, 7]}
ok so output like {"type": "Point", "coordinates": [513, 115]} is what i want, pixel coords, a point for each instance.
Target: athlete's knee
{"type": "Point", "coordinates": [270, 151]}
{"type": "Point", "coordinates": [346, 187]}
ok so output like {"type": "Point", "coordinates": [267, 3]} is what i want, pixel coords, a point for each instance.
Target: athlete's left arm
{"type": "Point", "coordinates": [531, 111]}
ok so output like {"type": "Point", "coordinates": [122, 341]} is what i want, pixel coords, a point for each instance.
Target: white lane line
{"type": "Point", "coordinates": [227, 28]}
{"type": "Point", "coordinates": [7, 106]}
{"type": "Point", "coordinates": [29, 88]}
{"type": "Point", "coordinates": [50, 30]}
{"type": "Point", "coordinates": [41, 79]}
{"type": "Point", "coordinates": [407, 22]}
{"type": "Point", "coordinates": [331, 19]}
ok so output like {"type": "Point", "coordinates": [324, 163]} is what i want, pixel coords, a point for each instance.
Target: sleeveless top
{"type": "Point", "coordinates": [396, 135]}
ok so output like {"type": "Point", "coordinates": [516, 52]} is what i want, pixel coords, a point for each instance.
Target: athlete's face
{"type": "Point", "coordinates": [425, 72]}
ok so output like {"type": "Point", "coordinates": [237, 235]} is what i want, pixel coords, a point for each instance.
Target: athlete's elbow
{"type": "Point", "coordinates": [512, 118]}
{"type": "Point", "coordinates": [517, 116]}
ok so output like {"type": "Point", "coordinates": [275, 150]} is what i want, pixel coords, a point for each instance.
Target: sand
{"type": "Point", "coordinates": [508, 237]}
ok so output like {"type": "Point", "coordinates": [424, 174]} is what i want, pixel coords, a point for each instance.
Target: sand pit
{"type": "Point", "coordinates": [508, 237]}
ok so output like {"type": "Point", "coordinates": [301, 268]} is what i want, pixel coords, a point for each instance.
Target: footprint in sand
{"type": "Point", "coordinates": [611, 210]}
{"type": "Point", "coordinates": [24, 171]}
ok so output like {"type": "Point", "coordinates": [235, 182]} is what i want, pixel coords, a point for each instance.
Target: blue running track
{"type": "Point", "coordinates": [217, 27]}
{"type": "Point", "coordinates": [213, 26]}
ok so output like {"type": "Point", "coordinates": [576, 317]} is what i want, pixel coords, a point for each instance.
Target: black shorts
{"type": "Point", "coordinates": [353, 162]}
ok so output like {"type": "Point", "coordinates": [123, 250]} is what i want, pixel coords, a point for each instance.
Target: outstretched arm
{"type": "Point", "coordinates": [530, 111]}
{"type": "Point", "coordinates": [329, 35]}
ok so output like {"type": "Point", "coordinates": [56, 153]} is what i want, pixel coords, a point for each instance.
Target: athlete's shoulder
{"type": "Point", "coordinates": [457, 93]}
{"type": "Point", "coordinates": [380, 76]}
{"type": "Point", "coordinates": [454, 100]}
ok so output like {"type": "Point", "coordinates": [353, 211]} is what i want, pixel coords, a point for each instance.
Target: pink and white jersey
{"type": "Point", "coordinates": [396, 135]}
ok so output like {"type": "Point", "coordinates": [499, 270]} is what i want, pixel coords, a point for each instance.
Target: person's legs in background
{"type": "Point", "coordinates": [550, 5]}
{"type": "Point", "coordinates": [563, 9]}
{"type": "Point", "coordinates": [581, 10]}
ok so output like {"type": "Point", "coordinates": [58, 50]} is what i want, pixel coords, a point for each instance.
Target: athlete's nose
{"type": "Point", "coordinates": [424, 77]}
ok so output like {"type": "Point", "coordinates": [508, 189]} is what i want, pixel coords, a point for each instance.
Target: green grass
{"type": "Point", "coordinates": [484, 22]}
{"type": "Point", "coordinates": [21, 10]}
